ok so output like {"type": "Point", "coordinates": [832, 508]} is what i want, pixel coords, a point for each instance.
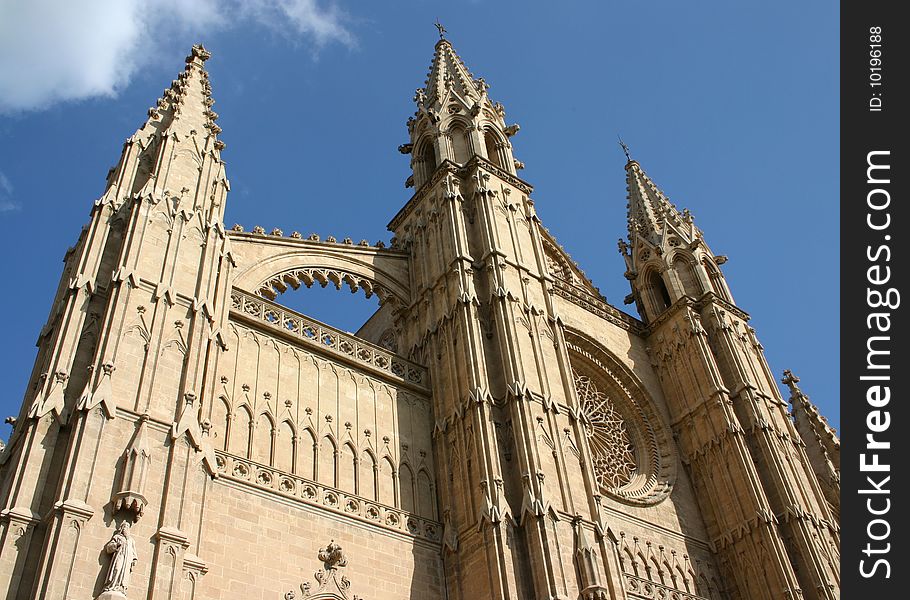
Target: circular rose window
{"type": "Point", "coordinates": [611, 449]}
{"type": "Point", "coordinates": [623, 430]}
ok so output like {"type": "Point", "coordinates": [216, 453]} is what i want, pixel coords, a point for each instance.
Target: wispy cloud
{"type": "Point", "coordinates": [58, 50]}
{"type": "Point", "coordinates": [7, 203]}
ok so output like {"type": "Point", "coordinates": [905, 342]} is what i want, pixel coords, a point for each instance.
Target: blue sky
{"type": "Point", "coordinates": [731, 108]}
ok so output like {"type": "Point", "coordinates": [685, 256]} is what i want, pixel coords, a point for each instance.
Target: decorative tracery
{"type": "Point", "coordinates": [612, 452]}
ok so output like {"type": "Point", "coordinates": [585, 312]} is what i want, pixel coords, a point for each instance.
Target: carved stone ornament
{"type": "Point", "coordinates": [611, 449]}
{"type": "Point", "coordinates": [122, 549]}
{"type": "Point", "coordinates": [331, 584]}
{"type": "Point", "coordinates": [136, 462]}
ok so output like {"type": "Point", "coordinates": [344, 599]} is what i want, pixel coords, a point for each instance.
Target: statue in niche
{"type": "Point", "coordinates": [122, 549]}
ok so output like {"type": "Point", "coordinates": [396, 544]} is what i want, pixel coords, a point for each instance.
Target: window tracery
{"type": "Point", "coordinates": [612, 452]}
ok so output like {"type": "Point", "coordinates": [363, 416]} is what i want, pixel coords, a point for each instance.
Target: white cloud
{"type": "Point", "coordinates": [56, 50]}
{"type": "Point", "coordinates": [7, 204]}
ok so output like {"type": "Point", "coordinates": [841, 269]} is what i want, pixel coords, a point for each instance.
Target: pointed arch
{"type": "Point", "coordinates": [718, 285]}
{"type": "Point", "coordinates": [426, 499]}
{"type": "Point", "coordinates": [425, 162]}
{"type": "Point", "coordinates": [387, 482]}
{"type": "Point", "coordinates": [461, 144]}
{"type": "Point", "coordinates": [221, 422]}
{"type": "Point", "coordinates": [406, 484]}
{"type": "Point", "coordinates": [328, 463]}
{"type": "Point", "coordinates": [347, 468]}
{"type": "Point", "coordinates": [682, 578]}
{"type": "Point", "coordinates": [632, 562]}
{"type": "Point", "coordinates": [367, 472]}
{"type": "Point", "coordinates": [263, 435]}
{"type": "Point", "coordinates": [308, 448]}
{"type": "Point", "coordinates": [241, 429]}
{"type": "Point", "coordinates": [285, 442]}
{"type": "Point", "coordinates": [685, 270]}
{"type": "Point", "coordinates": [495, 146]}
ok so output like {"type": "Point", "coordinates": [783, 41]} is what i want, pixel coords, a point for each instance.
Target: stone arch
{"type": "Point", "coordinates": [425, 160]}
{"type": "Point", "coordinates": [426, 498]}
{"type": "Point", "coordinates": [271, 265]}
{"type": "Point", "coordinates": [241, 430]}
{"type": "Point", "coordinates": [285, 446]}
{"type": "Point", "coordinates": [368, 471]}
{"type": "Point", "coordinates": [717, 280]}
{"type": "Point", "coordinates": [655, 291]}
{"type": "Point", "coordinates": [406, 486]}
{"type": "Point", "coordinates": [328, 463]}
{"type": "Point", "coordinates": [306, 455]}
{"type": "Point", "coordinates": [495, 146]}
{"type": "Point", "coordinates": [387, 478]}
{"type": "Point", "coordinates": [263, 437]}
{"type": "Point", "coordinates": [460, 142]}
{"type": "Point", "coordinates": [655, 464]}
{"type": "Point", "coordinates": [347, 468]}
{"type": "Point", "coordinates": [684, 265]}
{"type": "Point", "coordinates": [221, 422]}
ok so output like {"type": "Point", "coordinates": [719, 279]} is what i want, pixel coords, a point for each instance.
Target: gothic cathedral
{"type": "Point", "coordinates": [496, 430]}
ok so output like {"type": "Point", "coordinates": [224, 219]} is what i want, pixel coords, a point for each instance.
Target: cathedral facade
{"type": "Point", "coordinates": [495, 430]}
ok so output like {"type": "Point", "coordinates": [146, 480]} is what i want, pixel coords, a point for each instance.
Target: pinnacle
{"type": "Point", "coordinates": [649, 207]}
{"type": "Point", "coordinates": [449, 73]}
{"type": "Point", "coordinates": [186, 106]}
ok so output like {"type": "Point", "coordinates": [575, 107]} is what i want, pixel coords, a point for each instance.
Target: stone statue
{"type": "Point", "coordinates": [122, 549]}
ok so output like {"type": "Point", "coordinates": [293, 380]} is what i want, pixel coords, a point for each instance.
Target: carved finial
{"type": "Point", "coordinates": [625, 149]}
{"type": "Point", "coordinates": [442, 30]}
{"type": "Point", "coordinates": [790, 380]}
{"type": "Point", "coordinates": [333, 556]}
{"type": "Point", "coordinates": [201, 53]}
{"type": "Point", "coordinates": [623, 247]}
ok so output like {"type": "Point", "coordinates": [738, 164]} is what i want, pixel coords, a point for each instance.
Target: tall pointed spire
{"type": "Point", "coordinates": [650, 211]}
{"type": "Point", "coordinates": [455, 120]}
{"type": "Point", "coordinates": [666, 257]}
{"type": "Point", "coordinates": [448, 72]}
{"type": "Point", "coordinates": [186, 106]}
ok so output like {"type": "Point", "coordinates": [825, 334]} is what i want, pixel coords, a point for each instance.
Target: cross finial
{"type": "Point", "coordinates": [790, 380]}
{"type": "Point", "coordinates": [625, 148]}
{"type": "Point", "coordinates": [442, 30]}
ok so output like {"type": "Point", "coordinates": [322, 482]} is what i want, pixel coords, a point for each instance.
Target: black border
{"type": "Point", "coordinates": [864, 131]}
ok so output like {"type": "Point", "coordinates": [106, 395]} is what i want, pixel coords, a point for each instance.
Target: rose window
{"type": "Point", "coordinates": [612, 451]}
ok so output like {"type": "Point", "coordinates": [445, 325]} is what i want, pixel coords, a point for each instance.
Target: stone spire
{"type": "Point", "coordinates": [666, 257]}
{"type": "Point", "coordinates": [650, 211]}
{"type": "Point", "coordinates": [186, 106]}
{"type": "Point", "coordinates": [449, 75]}
{"type": "Point", "coordinates": [455, 120]}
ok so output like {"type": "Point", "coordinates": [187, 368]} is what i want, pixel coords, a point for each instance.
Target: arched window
{"type": "Point", "coordinates": [687, 277]}
{"type": "Point", "coordinates": [461, 148]}
{"type": "Point", "coordinates": [425, 165]}
{"type": "Point", "coordinates": [717, 280]}
{"type": "Point", "coordinates": [494, 155]}
{"type": "Point", "coordinates": [657, 291]}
